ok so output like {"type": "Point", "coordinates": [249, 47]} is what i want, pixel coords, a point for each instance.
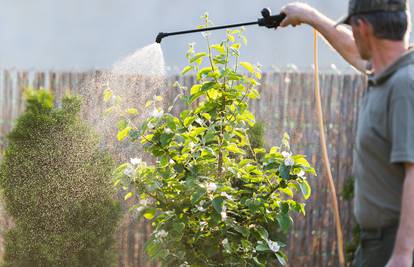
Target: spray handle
{"type": "Point", "coordinates": [270, 21]}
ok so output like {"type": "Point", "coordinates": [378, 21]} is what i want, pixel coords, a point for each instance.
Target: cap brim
{"type": "Point", "coordinates": [343, 20]}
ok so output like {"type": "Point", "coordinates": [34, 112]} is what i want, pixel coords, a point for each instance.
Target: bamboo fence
{"type": "Point", "coordinates": [287, 105]}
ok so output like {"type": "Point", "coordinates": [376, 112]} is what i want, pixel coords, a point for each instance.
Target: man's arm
{"type": "Point", "coordinates": [340, 38]}
{"type": "Point", "coordinates": [404, 245]}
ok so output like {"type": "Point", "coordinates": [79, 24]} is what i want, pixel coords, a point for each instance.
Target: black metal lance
{"type": "Point", "coordinates": [268, 20]}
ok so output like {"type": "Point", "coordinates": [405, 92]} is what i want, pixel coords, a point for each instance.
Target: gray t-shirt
{"type": "Point", "coordinates": [384, 141]}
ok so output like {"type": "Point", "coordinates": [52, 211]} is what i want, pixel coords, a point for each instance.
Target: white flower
{"type": "Point", "coordinates": [224, 194]}
{"type": "Point", "coordinates": [288, 158]}
{"type": "Point", "coordinates": [161, 234]}
{"type": "Point", "coordinates": [136, 161]}
{"type": "Point", "coordinates": [171, 161]}
{"type": "Point", "coordinates": [199, 121]}
{"type": "Point", "coordinates": [286, 154]}
{"type": "Point", "coordinates": [200, 206]}
{"type": "Point", "coordinates": [289, 161]}
{"type": "Point", "coordinates": [150, 125]}
{"type": "Point", "coordinates": [225, 242]}
{"type": "Point", "coordinates": [274, 246]}
{"type": "Point", "coordinates": [168, 130]}
{"type": "Point", "coordinates": [129, 171]}
{"type": "Point", "coordinates": [185, 264]}
{"type": "Point", "coordinates": [203, 223]}
{"type": "Point", "coordinates": [212, 187]}
{"type": "Point", "coordinates": [223, 213]}
{"type": "Point", "coordinates": [157, 113]}
{"type": "Point", "coordinates": [301, 174]}
{"type": "Point", "coordinates": [192, 145]}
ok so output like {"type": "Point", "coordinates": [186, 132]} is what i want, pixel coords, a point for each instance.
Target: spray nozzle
{"type": "Point", "coordinates": [159, 37]}
{"type": "Point", "coordinates": [270, 21]}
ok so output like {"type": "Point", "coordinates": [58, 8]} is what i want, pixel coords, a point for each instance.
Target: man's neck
{"type": "Point", "coordinates": [386, 52]}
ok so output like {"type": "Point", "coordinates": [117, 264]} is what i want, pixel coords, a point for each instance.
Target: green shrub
{"type": "Point", "coordinates": [214, 199]}
{"type": "Point", "coordinates": [56, 183]}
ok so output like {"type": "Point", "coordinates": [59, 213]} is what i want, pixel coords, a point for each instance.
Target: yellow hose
{"type": "Point", "coordinates": [325, 153]}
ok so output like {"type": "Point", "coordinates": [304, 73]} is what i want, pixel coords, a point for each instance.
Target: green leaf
{"type": "Point", "coordinates": [262, 248]}
{"type": "Point", "coordinates": [165, 139]}
{"type": "Point", "coordinates": [153, 248]}
{"type": "Point", "coordinates": [263, 233]}
{"type": "Point", "coordinates": [236, 46]}
{"type": "Point", "coordinates": [281, 257]}
{"type": "Point", "coordinates": [122, 124]}
{"type": "Point", "coordinates": [117, 182]}
{"type": "Point", "coordinates": [197, 57]}
{"type": "Point", "coordinates": [179, 227]}
{"type": "Point", "coordinates": [258, 263]}
{"type": "Point", "coordinates": [197, 195]}
{"type": "Point", "coordinates": [305, 188]}
{"type": "Point", "coordinates": [132, 111]}
{"type": "Point", "coordinates": [198, 130]}
{"type": "Point", "coordinates": [207, 86]}
{"type": "Point", "coordinates": [128, 196]}
{"type": "Point", "coordinates": [218, 204]}
{"type": "Point", "coordinates": [188, 121]}
{"type": "Point", "coordinates": [186, 69]}
{"type": "Point", "coordinates": [259, 150]}
{"type": "Point", "coordinates": [147, 138]}
{"type": "Point", "coordinates": [149, 213]}
{"type": "Point", "coordinates": [244, 39]}
{"type": "Point", "coordinates": [164, 160]}
{"type": "Point", "coordinates": [235, 149]}
{"type": "Point", "coordinates": [123, 134]}
{"type": "Point", "coordinates": [284, 171]}
{"type": "Point", "coordinates": [148, 103]}
{"type": "Point", "coordinates": [195, 89]}
{"type": "Point", "coordinates": [107, 95]}
{"type": "Point", "coordinates": [248, 66]}
{"type": "Point", "coordinates": [203, 71]}
{"type": "Point", "coordinates": [194, 97]}
{"type": "Point", "coordinates": [206, 116]}
{"type": "Point", "coordinates": [287, 191]}
{"type": "Point", "coordinates": [284, 221]}
{"type": "Point", "coordinates": [219, 48]}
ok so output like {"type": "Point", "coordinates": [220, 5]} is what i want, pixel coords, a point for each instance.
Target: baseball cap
{"type": "Point", "coordinates": [357, 7]}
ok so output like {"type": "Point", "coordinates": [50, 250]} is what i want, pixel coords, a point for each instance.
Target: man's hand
{"type": "Point", "coordinates": [402, 255]}
{"type": "Point", "coordinates": [297, 13]}
{"type": "Point", "coordinates": [402, 260]}
{"type": "Point", "coordinates": [340, 38]}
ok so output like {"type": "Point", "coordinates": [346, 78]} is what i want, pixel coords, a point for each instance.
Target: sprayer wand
{"type": "Point", "coordinates": [267, 20]}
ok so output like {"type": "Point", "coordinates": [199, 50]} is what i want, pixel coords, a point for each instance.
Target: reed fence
{"type": "Point", "coordinates": [287, 105]}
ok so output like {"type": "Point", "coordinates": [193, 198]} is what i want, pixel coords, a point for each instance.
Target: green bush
{"type": "Point", "coordinates": [56, 185]}
{"type": "Point", "coordinates": [213, 197]}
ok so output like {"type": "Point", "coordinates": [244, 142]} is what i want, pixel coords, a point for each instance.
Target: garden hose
{"type": "Point", "coordinates": [325, 153]}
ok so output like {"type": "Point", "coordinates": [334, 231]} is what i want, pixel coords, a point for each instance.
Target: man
{"type": "Point", "coordinates": [384, 148]}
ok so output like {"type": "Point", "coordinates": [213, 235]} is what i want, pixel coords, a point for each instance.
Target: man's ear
{"type": "Point", "coordinates": [365, 27]}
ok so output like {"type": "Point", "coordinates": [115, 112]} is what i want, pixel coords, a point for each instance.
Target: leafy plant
{"type": "Point", "coordinates": [57, 187]}
{"type": "Point", "coordinates": [348, 194]}
{"type": "Point", "coordinates": [214, 200]}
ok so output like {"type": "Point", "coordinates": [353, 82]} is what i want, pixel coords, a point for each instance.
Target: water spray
{"type": "Point", "coordinates": [268, 20]}
{"type": "Point", "coordinates": [273, 22]}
